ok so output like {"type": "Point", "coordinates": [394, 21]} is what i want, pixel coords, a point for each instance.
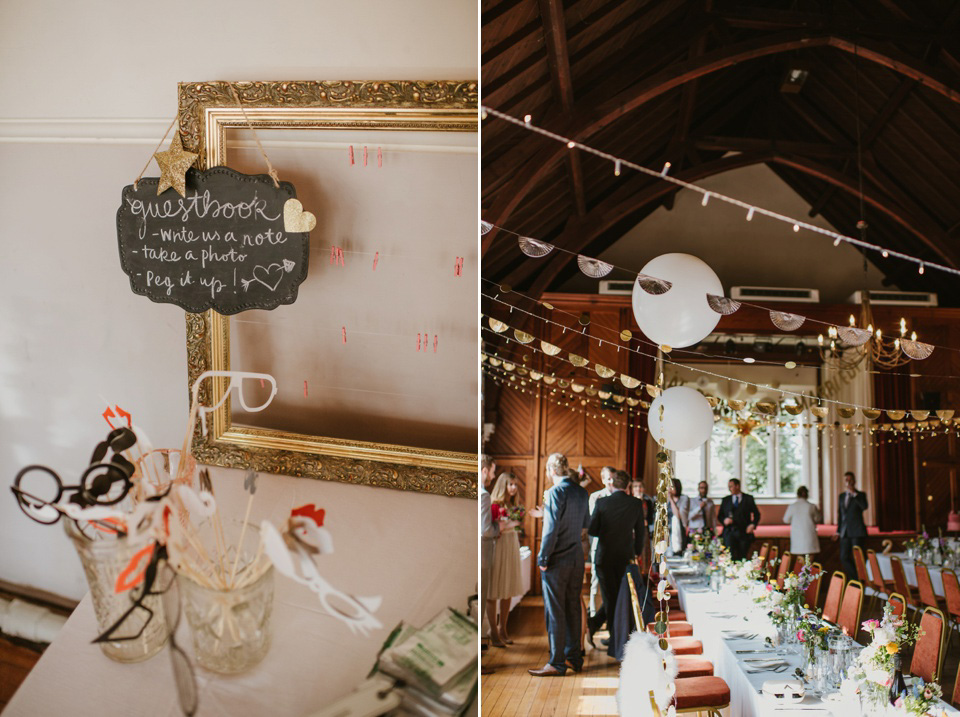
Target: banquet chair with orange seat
{"type": "Point", "coordinates": [927, 659]}
{"type": "Point", "coordinates": [901, 585]}
{"type": "Point", "coordinates": [951, 592]}
{"type": "Point", "coordinates": [881, 586]}
{"type": "Point", "coordinates": [850, 607]}
{"type": "Point", "coordinates": [898, 603]}
{"type": "Point", "coordinates": [685, 645]}
{"type": "Point", "coordinates": [955, 698]}
{"type": "Point", "coordinates": [771, 558]}
{"type": "Point", "coordinates": [861, 563]}
{"type": "Point", "coordinates": [831, 606]}
{"type": "Point", "coordinates": [925, 586]}
{"type": "Point", "coordinates": [764, 550]}
{"type": "Point", "coordinates": [783, 569]}
{"type": "Point", "coordinates": [700, 695]}
{"type": "Point", "coordinates": [811, 595]}
{"type": "Point", "coordinates": [798, 565]}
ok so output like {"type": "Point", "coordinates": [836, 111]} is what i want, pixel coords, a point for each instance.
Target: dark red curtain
{"type": "Point", "coordinates": [644, 369]}
{"type": "Point", "coordinates": [895, 477]}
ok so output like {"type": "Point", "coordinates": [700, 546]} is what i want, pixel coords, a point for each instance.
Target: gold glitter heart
{"type": "Point", "coordinates": [295, 220]}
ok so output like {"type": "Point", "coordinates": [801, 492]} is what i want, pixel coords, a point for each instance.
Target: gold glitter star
{"type": "Point", "coordinates": [174, 164]}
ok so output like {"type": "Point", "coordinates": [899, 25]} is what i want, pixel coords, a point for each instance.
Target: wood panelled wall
{"type": "Point", "coordinates": [528, 428]}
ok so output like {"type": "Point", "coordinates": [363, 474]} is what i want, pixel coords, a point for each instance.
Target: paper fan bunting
{"type": "Point", "coordinates": [920, 415]}
{"type": "Point", "coordinates": [793, 409]}
{"type": "Point", "coordinates": [871, 414]}
{"type": "Point", "coordinates": [633, 402]}
{"type": "Point", "coordinates": [485, 227]}
{"type": "Point", "coordinates": [591, 390]}
{"type": "Point", "coordinates": [916, 349]}
{"type": "Point", "coordinates": [604, 395]}
{"type": "Point", "coordinates": [846, 411]}
{"type": "Point", "coordinates": [577, 387]}
{"type": "Point", "coordinates": [497, 326]}
{"type": "Point", "coordinates": [534, 247]}
{"type": "Point", "coordinates": [535, 375]}
{"type": "Point", "coordinates": [594, 268]}
{"type": "Point", "coordinates": [629, 381]}
{"type": "Point", "coordinates": [549, 380]}
{"type": "Point", "coordinates": [786, 322]}
{"type": "Point", "coordinates": [522, 336]}
{"type": "Point", "coordinates": [722, 305]}
{"type": "Point", "coordinates": [578, 361]}
{"type": "Point", "coordinates": [896, 415]}
{"type": "Point", "coordinates": [603, 371]}
{"type": "Point", "coordinates": [853, 336]}
{"type": "Point", "coordinates": [549, 349]}
{"type": "Point", "coordinates": [619, 399]}
{"type": "Point", "coordinates": [820, 411]}
{"type": "Point", "coordinates": [945, 414]}
{"type": "Point", "coordinates": [653, 285]}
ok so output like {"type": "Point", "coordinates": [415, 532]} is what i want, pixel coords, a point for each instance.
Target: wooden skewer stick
{"type": "Point", "coordinates": [243, 532]}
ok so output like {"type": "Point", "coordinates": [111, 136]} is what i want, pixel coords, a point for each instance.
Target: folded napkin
{"type": "Point", "coordinates": [738, 634]}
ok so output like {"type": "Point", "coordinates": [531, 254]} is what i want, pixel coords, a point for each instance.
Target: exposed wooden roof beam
{"type": "Point", "coordinates": [753, 144]}
{"type": "Point", "coordinates": [584, 125]}
{"type": "Point", "coordinates": [558, 59]}
{"type": "Point", "coordinates": [636, 194]}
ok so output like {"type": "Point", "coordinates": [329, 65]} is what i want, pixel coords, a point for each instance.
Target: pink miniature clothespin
{"type": "Point", "coordinates": [418, 342]}
{"type": "Point", "coordinates": [364, 155]}
{"type": "Point", "coordinates": [458, 266]}
{"type": "Point", "coordinates": [376, 258]}
{"type": "Point", "coordinates": [379, 156]}
{"type": "Point", "coordinates": [304, 389]}
{"type": "Point", "coordinates": [336, 255]}
{"type": "Point", "coordinates": [343, 329]}
{"type": "Point", "coordinates": [351, 155]}
{"type": "Point", "coordinates": [434, 343]}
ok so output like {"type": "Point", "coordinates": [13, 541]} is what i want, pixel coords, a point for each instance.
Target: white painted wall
{"type": "Point", "coordinates": [87, 89]}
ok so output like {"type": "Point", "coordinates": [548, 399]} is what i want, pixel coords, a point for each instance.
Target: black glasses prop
{"type": "Point", "coordinates": [39, 489]}
{"type": "Point", "coordinates": [183, 674]}
{"type": "Point", "coordinates": [142, 583]}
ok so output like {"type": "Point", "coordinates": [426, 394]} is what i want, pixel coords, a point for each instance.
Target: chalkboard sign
{"type": "Point", "coordinates": [223, 246]}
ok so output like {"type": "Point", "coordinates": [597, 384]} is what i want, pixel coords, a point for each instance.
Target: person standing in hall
{"type": "Point", "coordinates": [739, 515]}
{"type": "Point", "coordinates": [803, 517]}
{"type": "Point", "coordinates": [702, 514]}
{"type": "Point", "coordinates": [619, 526]}
{"type": "Point", "coordinates": [507, 579]}
{"type": "Point", "coordinates": [678, 508]}
{"type": "Point", "coordinates": [606, 477]}
{"type": "Point", "coordinates": [566, 515]}
{"type": "Point", "coordinates": [489, 532]}
{"type": "Point", "coordinates": [650, 513]}
{"type": "Point", "coordinates": [851, 530]}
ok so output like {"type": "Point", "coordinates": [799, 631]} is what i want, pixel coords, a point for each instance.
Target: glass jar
{"type": "Point", "coordinates": [104, 558]}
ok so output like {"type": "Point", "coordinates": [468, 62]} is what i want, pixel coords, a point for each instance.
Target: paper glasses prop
{"type": "Point", "coordinates": [236, 381]}
{"type": "Point", "coordinates": [292, 553]}
{"type": "Point", "coordinates": [39, 489]}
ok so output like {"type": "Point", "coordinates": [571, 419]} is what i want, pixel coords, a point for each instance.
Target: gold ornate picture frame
{"type": "Point", "coordinates": [207, 110]}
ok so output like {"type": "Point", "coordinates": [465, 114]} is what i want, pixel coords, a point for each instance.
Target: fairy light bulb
{"type": "Point", "coordinates": [879, 335]}
{"type": "Point", "coordinates": [616, 168]}
{"type": "Point", "coordinates": [903, 326]}
{"type": "Point", "coordinates": [913, 335]}
{"type": "Point", "coordinates": [896, 343]}
{"type": "Point", "coordinates": [571, 144]}
{"type": "Point", "coordinates": [706, 198]}
{"type": "Point", "coordinates": [527, 119]}
{"type": "Point", "coordinates": [852, 320]}
{"type": "Point", "coordinates": [921, 268]}
{"type": "Point", "coordinates": [885, 254]}
{"type": "Point", "coordinates": [820, 339]}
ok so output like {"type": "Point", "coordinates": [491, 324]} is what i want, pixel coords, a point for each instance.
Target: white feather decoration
{"type": "Point", "coordinates": [645, 668]}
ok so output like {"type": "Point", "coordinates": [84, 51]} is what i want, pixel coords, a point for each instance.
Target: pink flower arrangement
{"type": "Point", "coordinates": [870, 625]}
{"type": "Point", "coordinates": [801, 635]}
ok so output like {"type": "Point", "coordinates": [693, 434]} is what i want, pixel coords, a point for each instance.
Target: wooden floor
{"type": "Point", "coordinates": [512, 692]}
{"type": "Point", "coordinates": [16, 661]}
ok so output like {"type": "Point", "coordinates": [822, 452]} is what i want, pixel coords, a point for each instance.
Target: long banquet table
{"type": "Point", "coordinates": [886, 569]}
{"type": "Point", "coordinates": [710, 612]}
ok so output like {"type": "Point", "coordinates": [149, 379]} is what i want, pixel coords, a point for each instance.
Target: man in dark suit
{"type": "Point", "coordinates": [739, 516]}
{"type": "Point", "coordinates": [619, 526]}
{"type": "Point", "coordinates": [566, 514]}
{"type": "Point", "coordinates": [851, 530]}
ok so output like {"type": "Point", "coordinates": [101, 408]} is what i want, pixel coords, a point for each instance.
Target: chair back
{"type": "Point", "coordinates": [951, 592]}
{"type": "Point", "coordinates": [898, 603]}
{"type": "Point", "coordinates": [772, 557]}
{"type": "Point", "coordinates": [900, 583]}
{"type": "Point", "coordinates": [783, 569]}
{"type": "Point", "coordinates": [861, 564]}
{"type": "Point", "coordinates": [635, 604]}
{"type": "Point", "coordinates": [955, 700]}
{"type": "Point", "coordinates": [850, 607]}
{"type": "Point", "coordinates": [764, 549]}
{"type": "Point", "coordinates": [925, 586]}
{"type": "Point", "coordinates": [812, 594]}
{"type": "Point", "coordinates": [928, 654]}
{"type": "Point", "coordinates": [798, 565]}
{"type": "Point", "coordinates": [831, 606]}
{"type": "Point", "coordinates": [877, 579]}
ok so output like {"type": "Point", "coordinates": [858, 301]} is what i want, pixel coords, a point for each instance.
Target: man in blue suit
{"type": "Point", "coordinates": [566, 515]}
{"type": "Point", "coordinates": [851, 530]}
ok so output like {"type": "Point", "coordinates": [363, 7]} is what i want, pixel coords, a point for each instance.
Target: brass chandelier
{"type": "Point", "coordinates": [849, 346]}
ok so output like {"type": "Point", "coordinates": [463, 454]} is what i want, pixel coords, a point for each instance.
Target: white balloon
{"type": "Point", "coordinates": [687, 418]}
{"type": "Point", "coordinates": [681, 316]}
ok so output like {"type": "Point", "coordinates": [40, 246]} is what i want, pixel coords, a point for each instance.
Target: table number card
{"type": "Point", "coordinates": [233, 242]}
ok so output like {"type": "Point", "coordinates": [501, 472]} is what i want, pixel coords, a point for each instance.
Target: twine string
{"type": "Point", "coordinates": [156, 149]}
{"type": "Point", "coordinates": [270, 170]}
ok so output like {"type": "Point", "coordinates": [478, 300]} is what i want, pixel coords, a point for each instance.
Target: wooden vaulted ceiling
{"type": "Point", "coordinates": [698, 84]}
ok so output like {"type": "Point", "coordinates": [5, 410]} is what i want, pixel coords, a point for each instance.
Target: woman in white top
{"type": "Point", "coordinates": [803, 517]}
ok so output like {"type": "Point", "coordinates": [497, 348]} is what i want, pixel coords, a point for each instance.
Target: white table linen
{"type": "Point", "coordinates": [909, 569]}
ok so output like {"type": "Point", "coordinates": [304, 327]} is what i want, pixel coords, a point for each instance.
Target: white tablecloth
{"type": "Point", "coordinates": [886, 569]}
{"type": "Point", "coordinates": [709, 613]}
{"type": "Point", "coordinates": [418, 551]}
